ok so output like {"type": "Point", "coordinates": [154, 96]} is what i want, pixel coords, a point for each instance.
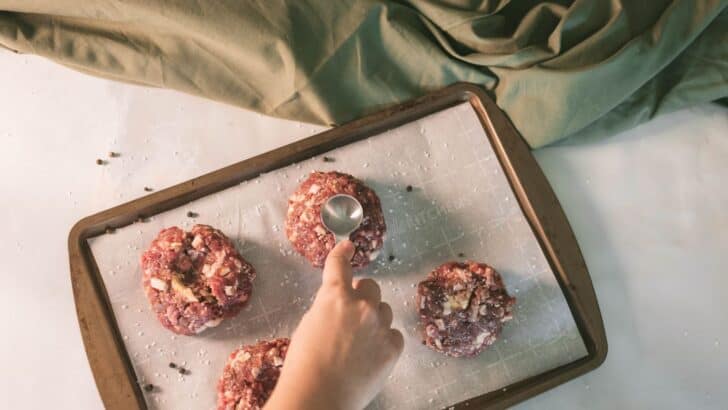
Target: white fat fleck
{"type": "Point", "coordinates": [481, 338]}
{"type": "Point", "coordinates": [319, 230]}
{"type": "Point", "coordinates": [314, 189]}
{"type": "Point", "coordinates": [277, 361]}
{"type": "Point", "coordinates": [213, 322]}
{"type": "Point", "coordinates": [373, 255]}
{"type": "Point", "coordinates": [158, 284]}
{"type": "Point", "coordinates": [206, 270]}
{"type": "Point", "coordinates": [440, 324]}
{"type": "Point", "coordinates": [446, 309]}
{"type": "Point", "coordinates": [212, 269]}
{"type": "Point", "coordinates": [242, 356]}
{"type": "Point", "coordinates": [229, 290]}
{"type": "Point", "coordinates": [438, 343]}
{"type": "Point", "coordinates": [197, 242]}
{"type": "Point", "coordinates": [461, 273]}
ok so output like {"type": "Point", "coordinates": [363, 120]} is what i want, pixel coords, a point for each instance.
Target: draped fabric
{"type": "Point", "coordinates": [555, 67]}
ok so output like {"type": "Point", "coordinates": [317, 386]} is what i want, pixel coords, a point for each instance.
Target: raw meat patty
{"type": "Point", "coordinates": [250, 375]}
{"type": "Point", "coordinates": [195, 279]}
{"type": "Point", "coordinates": [462, 308]}
{"type": "Point", "coordinates": [308, 235]}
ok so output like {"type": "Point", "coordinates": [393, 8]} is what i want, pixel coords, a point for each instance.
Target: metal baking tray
{"type": "Point", "coordinates": [110, 361]}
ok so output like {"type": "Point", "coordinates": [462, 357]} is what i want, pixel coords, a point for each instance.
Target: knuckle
{"type": "Point", "coordinates": [366, 308]}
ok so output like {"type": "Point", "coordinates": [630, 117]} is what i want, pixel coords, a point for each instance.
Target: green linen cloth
{"type": "Point", "coordinates": [555, 67]}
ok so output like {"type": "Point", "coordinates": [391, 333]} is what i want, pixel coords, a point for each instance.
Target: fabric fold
{"type": "Point", "coordinates": [556, 68]}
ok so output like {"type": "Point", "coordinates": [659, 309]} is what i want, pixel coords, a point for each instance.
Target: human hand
{"type": "Point", "coordinates": [344, 347]}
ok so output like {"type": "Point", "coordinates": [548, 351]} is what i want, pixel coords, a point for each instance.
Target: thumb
{"type": "Point", "coordinates": [337, 268]}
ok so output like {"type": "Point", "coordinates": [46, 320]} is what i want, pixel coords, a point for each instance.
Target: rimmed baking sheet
{"type": "Point", "coordinates": [461, 203]}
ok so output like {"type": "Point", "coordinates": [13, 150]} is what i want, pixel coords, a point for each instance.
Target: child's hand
{"type": "Point", "coordinates": [344, 348]}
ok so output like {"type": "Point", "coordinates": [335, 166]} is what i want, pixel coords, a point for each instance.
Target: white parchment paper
{"type": "Point", "coordinates": [461, 203]}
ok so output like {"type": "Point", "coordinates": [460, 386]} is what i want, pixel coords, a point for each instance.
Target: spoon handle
{"type": "Point", "coordinates": [339, 238]}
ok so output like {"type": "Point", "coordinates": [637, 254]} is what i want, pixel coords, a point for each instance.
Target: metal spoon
{"type": "Point", "coordinates": [341, 215]}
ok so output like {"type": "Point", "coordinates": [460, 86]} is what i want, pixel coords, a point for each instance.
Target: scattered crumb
{"type": "Point", "coordinates": [191, 214]}
{"type": "Point", "coordinates": [100, 161]}
{"type": "Point", "coordinates": [329, 159]}
{"type": "Point", "coordinates": [148, 189]}
{"type": "Point", "coordinates": [113, 154]}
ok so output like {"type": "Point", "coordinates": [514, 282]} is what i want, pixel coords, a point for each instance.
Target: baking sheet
{"type": "Point", "coordinates": [461, 203]}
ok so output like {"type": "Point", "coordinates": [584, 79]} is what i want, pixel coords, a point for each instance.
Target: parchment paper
{"type": "Point", "coordinates": [461, 203]}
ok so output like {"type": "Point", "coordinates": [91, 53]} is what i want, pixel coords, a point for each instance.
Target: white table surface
{"type": "Point", "coordinates": [649, 208]}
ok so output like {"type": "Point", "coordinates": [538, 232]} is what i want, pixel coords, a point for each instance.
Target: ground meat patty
{"type": "Point", "coordinates": [195, 279]}
{"type": "Point", "coordinates": [308, 235]}
{"type": "Point", "coordinates": [250, 375]}
{"type": "Point", "coordinates": [462, 308]}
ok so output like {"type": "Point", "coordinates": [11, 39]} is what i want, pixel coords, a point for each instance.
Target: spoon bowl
{"type": "Point", "coordinates": [342, 214]}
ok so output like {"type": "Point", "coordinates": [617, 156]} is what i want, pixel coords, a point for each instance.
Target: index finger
{"type": "Point", "coordinates": [337, 268]}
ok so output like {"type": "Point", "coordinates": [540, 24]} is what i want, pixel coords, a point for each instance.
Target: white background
{"type": "Point", "coordinates": [649, 208]}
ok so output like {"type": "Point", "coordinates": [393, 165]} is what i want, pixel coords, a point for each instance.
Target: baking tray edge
{"type": "Point", "coordinates": [109, 361]}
